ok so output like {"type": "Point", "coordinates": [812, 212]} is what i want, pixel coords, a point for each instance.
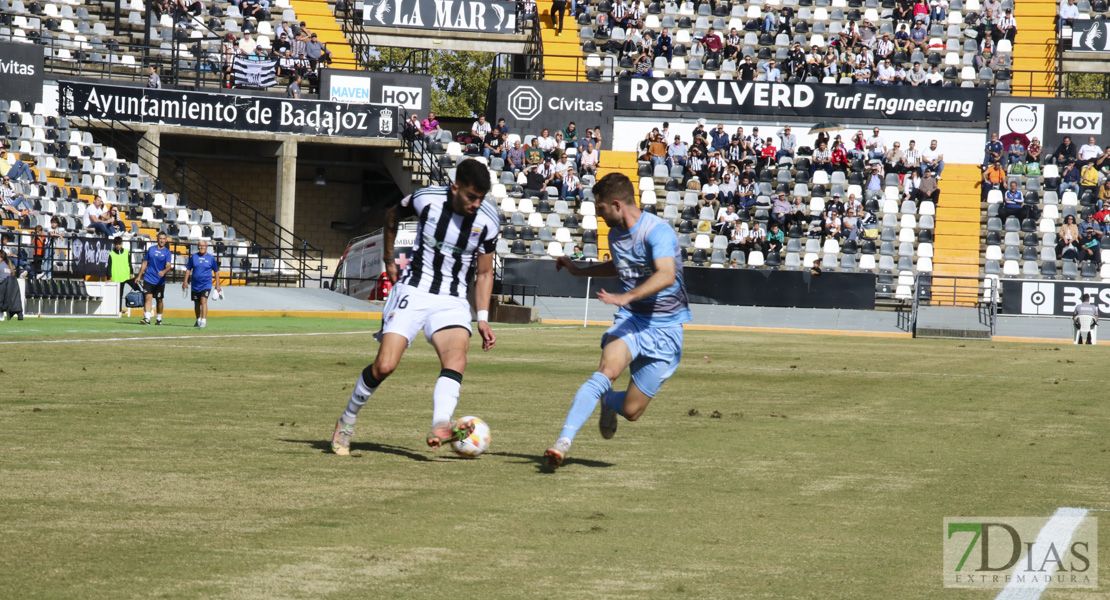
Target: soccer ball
{"type": "Point", "coordinates": [476, 443]}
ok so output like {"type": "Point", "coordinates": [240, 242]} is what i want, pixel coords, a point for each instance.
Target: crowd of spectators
{"type": "Point", "coordinates": [726, 171]}
{"type": "Point", "coordinates": [891, 51]}
{"type": "Point", "coordinates": [297, 50]}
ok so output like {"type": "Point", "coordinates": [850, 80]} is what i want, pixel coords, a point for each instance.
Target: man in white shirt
{"type": "Point", "coordinates": [480, 128]}
{"type": "Point", "coordinates": [934, 77]}
{"type": "Point", "coordinates": [726, 220]}
{"type": "Point", "coordinates": [886, 74]}
{"type": "Point", "coordinates": [711, 190]}
{"type": "Point", "coordinates": [247, 45]}
{"type": "Point", "coordinates": [1090, 150]}
{"type": "Point", "coordinates": [96, 218]}
{"type": "Point", "coordinates": [876, 146]}
{"type": "Point", "coordinates": [911, 158]}
{"type": "Point", "coordinates": [1069, 12]}
{"type": "Point", "coordinates": [932, 160]}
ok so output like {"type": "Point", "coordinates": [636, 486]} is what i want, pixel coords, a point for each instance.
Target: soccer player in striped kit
{"type": "Point", "coordinates": [455, 240]}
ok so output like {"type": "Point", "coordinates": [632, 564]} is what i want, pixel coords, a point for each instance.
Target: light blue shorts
{"type": "Point", "coordinates": [656, 352]}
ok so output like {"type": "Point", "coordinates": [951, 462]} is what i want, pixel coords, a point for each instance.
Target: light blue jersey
{"type": "Point", "coordinates": [634, 252]}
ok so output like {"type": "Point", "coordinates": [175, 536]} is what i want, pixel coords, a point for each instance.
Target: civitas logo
{"type": "Point", "coordinates": [1023, 118]}
{"type": "Point", "coordinates": [525, 103]}
{"type": "Point", "coordinates": [14, 67]}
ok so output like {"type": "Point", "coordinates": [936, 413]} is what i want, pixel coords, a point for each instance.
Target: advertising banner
{"type": "Point", "coordinates": [529, 106]}
{"type": "Point", "coordinates": [1090, 36]}
{"type": "Point", "coordinates": [1049, 119]}
{"type": "Point", "coordinates": [21, 67]}
{"type": "Point", "coordinates": [226, 111]}
{"type": "Point", "coordinates": [90, 256]}
{"type": "Point", "coordinates": [410, 92]}
{"type": "Point", "coordinates": [1052, 298]}
{"type": "Point", "coordinates": [856, 102]}
{"type": "Point", "coordinates": [486, 16]}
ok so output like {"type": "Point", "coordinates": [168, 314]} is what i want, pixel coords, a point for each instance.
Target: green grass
{"type": "Point", "coordinates": [197, 466]}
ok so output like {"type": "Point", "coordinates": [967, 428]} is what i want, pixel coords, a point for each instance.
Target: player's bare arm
{"type": "Point", "coordinates": [662, 279]}
{"type": "Point", "coordinates": [483, 287]}
{"type": "Point", "coordinates": [605, 269]}
{"type": "Point", "coordinates": [142, 271]}
{"type": "Point", "coordinates": [393, 218]}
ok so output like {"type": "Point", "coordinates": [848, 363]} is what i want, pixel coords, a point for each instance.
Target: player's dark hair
{"type": "Point", "coordinates": [615, 186]}
{"type": "Point", "coordinates": [1086, 297]}
{"type": "Point", "coordinates": [472, 174]}
{"type": "Point", "coordinates": [118, 240]}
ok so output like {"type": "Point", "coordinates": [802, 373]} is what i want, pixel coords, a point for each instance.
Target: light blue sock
{"type": "Point", "coordinates": [585, 401]}
{"type": "Point", "coordinates": [615, 401]}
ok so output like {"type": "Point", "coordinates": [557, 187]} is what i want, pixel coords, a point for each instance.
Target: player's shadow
{"type": "Point", "coordinates": [541, 462]}
{"type": "Point", "coordinates": [324, 446]}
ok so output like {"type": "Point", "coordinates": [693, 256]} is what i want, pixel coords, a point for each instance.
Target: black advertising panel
{"type": "Point", "coordinates": [735, 287]}
{"type": "Point", "coordinates": [21, 68]}
{"type": "Point", "coordinates": [90, 256]}
{"type": "Point", "coordinates": [1052, 298]}
{"type": "Point", "coordinates": [1049, 119]}
{"type": "Point", "coordinates": [1090, 36]}
{"type": "Point", "coordinates": [410, 92]}
{"type": "Point", "coordinates": [856, 102]}
{"type": "Point", "coordinates": [485, 16]}
{"type": "Point", "coordinates": [227, 111]}
{"type": "Point", "coordinates": [530, 106]}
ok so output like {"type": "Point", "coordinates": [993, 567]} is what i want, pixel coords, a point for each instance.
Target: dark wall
{"type": "Point", "coordinates": [736, 287]}
{"type": "Point", "coordinates": [21, 71]}
{"type": "Point", "coordinates": [528, 106]}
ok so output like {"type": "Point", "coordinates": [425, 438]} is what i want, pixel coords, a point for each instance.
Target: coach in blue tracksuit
{"type": "Point", "coordinates": [203, 271]}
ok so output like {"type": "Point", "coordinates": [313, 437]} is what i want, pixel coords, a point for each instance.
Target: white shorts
{"type": "Point", "coordinates": [410, 309]}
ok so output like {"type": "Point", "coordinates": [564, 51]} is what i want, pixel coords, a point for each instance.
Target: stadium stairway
{"type": "Point", "coordinates": [320, 18]}
{"type": "Point", "coordinates": [562, 59]}
{"type": "Point", "coordinates": [614, 162]}
{"type": "Point", "coordinates": [1035, 50]}
{"type": "Point", "coordinates": [958, 222]}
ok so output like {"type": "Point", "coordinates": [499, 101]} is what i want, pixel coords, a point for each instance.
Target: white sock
{"type": "Point", "coordinates": [446, 396]}
{"type": "Point", "coordinates": [146, 316]}
{"type": "Point", "coordinates": [159, 317]}
{"type": "Point", "coordinates": [359, 396]}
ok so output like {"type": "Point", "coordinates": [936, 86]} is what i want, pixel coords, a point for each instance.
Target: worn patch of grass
{"type": "Point", "coordinates": [198, 467]}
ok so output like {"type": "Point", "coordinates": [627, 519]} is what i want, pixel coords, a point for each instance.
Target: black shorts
{"type": "Point", "coordinates": [201, 294]}
{"type": "Point", "coordinates": [158, 291]}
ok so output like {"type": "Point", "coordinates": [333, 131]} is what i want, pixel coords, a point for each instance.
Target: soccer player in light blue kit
{"type": "Point", "coordinates": [646, 335]}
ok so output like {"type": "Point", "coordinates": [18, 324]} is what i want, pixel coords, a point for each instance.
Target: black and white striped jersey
{"type": "Point", "coordinates": [445, 253]}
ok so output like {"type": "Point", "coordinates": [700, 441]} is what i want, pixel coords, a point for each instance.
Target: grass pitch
{"type": "Point", "coordinates": [193, 463]}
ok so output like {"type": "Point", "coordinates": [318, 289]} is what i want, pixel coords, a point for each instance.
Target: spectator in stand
{"type": "Point", "coordinates": [16, 170]}
{"type": "Point", "coordinates": [1091, 249]}
{"type": "Point", "coordinates": [547, 142]}
{"type": "Point", "coordinates": [850, 225]}
{"type": "Point", "coordinates": [928, 190]}
{"type": "Point", "coordinates": [664, 45]}
{"type": "Point", "coordinates": [728, 189]}
{"type": "Point", "coordinates": [430, 128]}
{"type": "Point", "coordinates": [710, 191]}
{"type": "Point", "coordinates": [822, 159]}
{"type": "Point", "coordinates": [317, 52]}
{"type": "Point", "coordinates": [515, 158]}
{"type": "Point", "coordinates": [932, 160]}
{"type": "Point", "coordinates": [771, 73]}
{"type": "Point", "coordinates": [780, 208]}
{"type": "Point", "coordinates": [112, 219]}
{"type": "Point", "coordinates": [1069, 12]}
{"type": "Point", "coordinates": [1013, 204]}
{"type": "Point", "coordinates": [719, 138]}
{"type": "Point", "coordinates": [745, 192]}
{"type": "Point", "coordinates": [657, 150]}
{"type": "Point", "coordinates": [910, 182]}
{"type": "Point", "coordinates": [589, 159]}
{"type": "Point", "coordinates": [13, 202]}
{"type": "Point", "coordinates": [642, 67]}
{"type": "Point", "coordinates": [1067, 239]}
{"type": "Point", "coordinates": [994, 177]}
{"type": "Point", "coordinates": [676, 152]}
{"type": "Point", "coordinates": [1005, 27]}
{"type": "Point", "coordinates": [876, 145]}
{"type": "Point", "coordinates": [738, 238]}
{"type": "Point", "coordinates": [1016, 153]}
{"type": "Point", "coordinates": [916, 77]}
{"type": "Point", "coordinates": [938, 10]}
{"type": "Point", "coordinates": [747, 69]}
{"type": "Point", "coordinates": [96, 218]}
{"type": "Point", "coordinates": [1088, 225]}
{"type": "Point", "coordinates": [572, 186]}
{"type": "Point", "coordinates": [934, 78]}
{"type": "Point", "coordinates": [1088, 181]}
{"type": "Point", "coordinates": [494, 144]}
{"type": "Point", "coordinates": [726, 221]}
{"type": "Point", "coordinates": [534, 155]}
{"type": "Point", "coordinates": [789, 143]}
{"type": "Point", "coordinates": [247, 45]}
{"type": "Point", "coordinates": [1069, 177]}
{"type": "Point", "coordinates": [893, 161]}
{"type": "Point", "coordinates": [560, 146]}
{"type": "Point", "coordinates": [874, 177]}
{"type": "Point", "coordinates": [767, 154]}
{"type": "Point", "coordinates": [561, 166]}
{"type": "Point", "coordinates": [478, 131]}
{"type": "Point", "coordinates": [1033, 151]}
{"type": "Point", "coordinates": [713, 45]}
{"type": "Point", "coordinates": [839, 155]}
{"type": "Point", "coordinates": [993, 150]}
{"type": "Point", "coordinates": [1090, 151]}
{"type": "Point", "coordinates": [1065, 150]}
{"type": "Point", "coordinates": [862, 74]}
{"type": "Point", "coordinates": [1103, 202]}
{"type": "Point", "coordinates": [695, 166]}
{"type": "Point", "coordinates": [884, 48]}
{"type": "Point", "coordinates": [774, 239]}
